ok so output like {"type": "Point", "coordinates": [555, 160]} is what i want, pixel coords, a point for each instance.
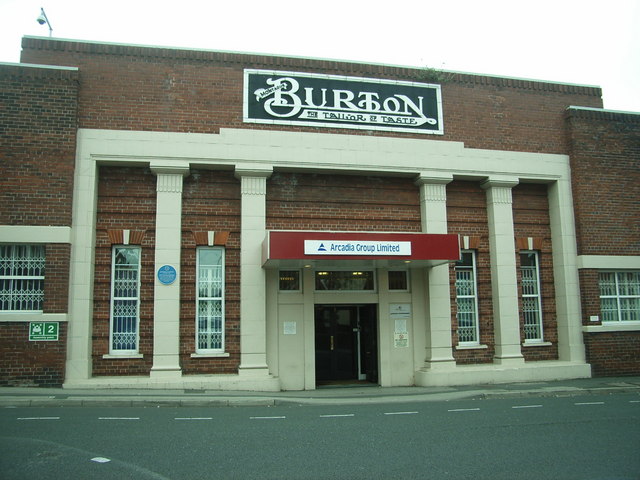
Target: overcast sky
{"type": "Point", "coordinates": [586, 42]}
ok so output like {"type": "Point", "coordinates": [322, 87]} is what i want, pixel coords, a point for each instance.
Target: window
{"type": "Point", "coordinates": [531, 301]}
{"type": "Point", "coordinates": [467, 298]}
{"type": "Point", "coordinates": [620, 296]}
{"type": "Point", "coordinates": [210, 301]}
{"type": "Point", "coordinates": [125, 300]}
{"type": "Point", "coordinates": [289, 280]}
{"type": "Point", "coordinates": [22, 278]}
{"type": "Point", "coordinates": [398, 280]}
{"type": "Point", "coordinates": [345, 280]}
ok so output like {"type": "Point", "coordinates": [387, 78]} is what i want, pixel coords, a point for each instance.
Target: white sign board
{"type": "Point", "coordinates": [356, 247]}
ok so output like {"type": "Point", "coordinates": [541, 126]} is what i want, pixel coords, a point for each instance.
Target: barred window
{"type": "Point", "coordinates": [125, 300]}
{"type": "Point", "coordinates": [210, 301]}
{"type": "Point", "coordinates": [467, 298]}
{"type": "Point", "coordinates": [620, 296]}
{"type": "Point", "coordinates": [531, 298]}
{"type": "Point", "coordinates": [22, 278]}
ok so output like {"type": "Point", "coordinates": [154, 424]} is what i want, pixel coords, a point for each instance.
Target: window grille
{"type": "Point", "coordinates": [531, 298]}
{"type": "Point", "coordinates": [620, 296]}
{"type": "Point", "coordinates": [467, 298]}
{"type": "Point", "coordinates": [210, 301]}
{"type": "Point", "coordinates": [22, 278]}
{"type": "Point", "coordinates": [125, 299]}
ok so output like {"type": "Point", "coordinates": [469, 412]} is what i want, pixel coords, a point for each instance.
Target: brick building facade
{"type": "Point", "coordinates": [177, 227]}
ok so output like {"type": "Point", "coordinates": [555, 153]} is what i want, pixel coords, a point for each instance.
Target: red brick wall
{"type": "Point", "coordinates": [137, 88]}
{"type": "Point", "coordinates": [467, 216]}
{"type": "Point", "coordinates": [605, 167]}
{"type": "Point", "coordinates": [210, 202]}
{"type": "Point", "coordinates": [342, 202]}
{"type": "Point", "coordinates": [37, 145]}
{"type": "Point", "coordinates": [613, 353]}
{"type": "Point", "coordinates": [531, 219]}
{"type": "Point", "coordinates": [126, 200]}
{"type": "Point", "coordinates": [25, 363]}
{"type": "Point", "coordinates": [38, 108]}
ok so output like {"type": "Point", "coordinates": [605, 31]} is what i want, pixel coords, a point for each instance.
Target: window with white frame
{"type": "Point", "coordinates": [531, 298]}
{"type": "Point", "coordinates": [210, 300]}
{"type": "Point", "coordinates": [620, 296]}
{"type": "Point", "coordinates": [467, 299]}
{"type": "Point", "coordinates": [125, 300]}
{"type": "Point", "coordinates": [22, 278]}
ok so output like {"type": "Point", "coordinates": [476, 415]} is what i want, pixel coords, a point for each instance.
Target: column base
{"type": "Point", "coordinates": [509, 361]}
{"type": "Point", "coordinates": [165, 373]}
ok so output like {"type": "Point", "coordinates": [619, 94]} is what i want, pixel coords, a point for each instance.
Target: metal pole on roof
{"type": "Point", "coordinates": [42, 19]}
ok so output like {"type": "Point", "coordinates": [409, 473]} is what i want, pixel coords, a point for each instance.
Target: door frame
{"type": "Point", "coordinates": [373, 327]}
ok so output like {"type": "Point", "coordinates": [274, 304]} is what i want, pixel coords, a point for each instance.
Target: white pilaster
{"type": "Point", "coordinates": [253, 344]}
{"type": "Point", "coordinates": [433, 210]}
{"type": "Point", "coordinates": [166, 308]}
{"type": "Point", "coordinates": [503, 269]}
{"type": "Point", "coordinates": [80, 326]}
{"type": "Point", "coordinates": [565, 272]}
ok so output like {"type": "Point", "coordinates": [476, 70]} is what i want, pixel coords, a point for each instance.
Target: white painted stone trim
{"type": "Point", "coordinates": [34, 234]}
{"type": "Point", "coordinates": [32, 317]}
{"type": "Point", "coordinates": [609, 262]}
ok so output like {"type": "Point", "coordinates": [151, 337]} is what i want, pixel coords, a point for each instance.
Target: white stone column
{"type": "Point", "coordinates": [166, 306]}
{"type": "Point", "coordinates": [433, 210]}
{"type": "Point", "coordinates": [565, 272]}
{"type": "Point", "coordinates": [253, 317]}
{"type": "Point", "coordinates": [504, 285]}
{"type": "Point", "coordinates": [83, 234]}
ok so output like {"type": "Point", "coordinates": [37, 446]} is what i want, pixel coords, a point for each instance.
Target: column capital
{"type": "Point", "coordinates": [500, 181]}
{"type": "Point", "coordinates": [259, 171]}
{"type": "Point", "coordinates": [162, 168]}
{"type": "Point", "coordinates": [433, 178]}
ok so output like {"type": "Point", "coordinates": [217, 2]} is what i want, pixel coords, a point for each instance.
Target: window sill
{"type": "Point", "coordinates": [124, 355]}
{"type": "Point", "coordinates": [475, 346]}
{"type": "Point", "coordinates": [537, 344]}
{"type": "Point", "coordinates": [612, 327]}
{"type": "Point", "coordinates": [32, 317]}
{"type": "Point", "coordinates": [209, 355]}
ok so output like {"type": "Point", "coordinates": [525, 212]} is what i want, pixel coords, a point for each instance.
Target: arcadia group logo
{"type": "Point", "coordinates": [344, 102]}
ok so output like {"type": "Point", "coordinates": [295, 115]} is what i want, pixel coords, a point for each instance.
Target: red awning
{"type": "Point", "coordinates": [299, 248]}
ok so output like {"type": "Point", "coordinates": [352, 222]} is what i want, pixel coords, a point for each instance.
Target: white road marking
{"type": "Point", "coordinates": [464, 410]}
{"type": "Point", "coordinates": [400, 413]}
{"type": "Point", "coordinates": [337, 416]}
{"type": "Point", "coordinates": [527, 406]}
{"type": "Point", "coordinates": [118, 418]}
{"type": "Point", "coordinates": [38, 418]}
{"type": "Point", "coordinates": [634, 401]}
{"type": "Point", "coordinates": [589, 403]}
{"type": "Point", "coordinates": [267, 418]}
{"type": "Point", "coordinates": [193, 418]}
{"type": "Point", "coordinates": [100, 460]}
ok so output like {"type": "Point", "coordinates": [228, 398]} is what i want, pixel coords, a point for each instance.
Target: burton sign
{"type": "Point", "coordinates": [287, 98]}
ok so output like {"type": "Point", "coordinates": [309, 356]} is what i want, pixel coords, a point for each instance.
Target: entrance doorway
{"type": "Point", "coordinates": [346, 341]}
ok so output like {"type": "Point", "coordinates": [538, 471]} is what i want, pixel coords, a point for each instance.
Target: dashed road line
{"type": "Point", "coordinates": [589, 403]}
{"type": "Point", "coordinates": [193, 418]}
{"type": "Point", "coordinates": [527, 406]}
{"type": "Point", "coordinates": [338, 416]}
{"type": "Point", "coordinates": [118, 418]}
{"type": "Point", "coordinates": [268, 418]}
{"type": "Point", "coordinates": [464, 410]}
{"type": "Point", "coordinates": [38, 418]}
{"type": "Point", "coordinates": [400, 413]}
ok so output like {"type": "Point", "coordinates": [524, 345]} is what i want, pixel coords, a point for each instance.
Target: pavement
{"type": "Point", "coordinates": [333, 395]}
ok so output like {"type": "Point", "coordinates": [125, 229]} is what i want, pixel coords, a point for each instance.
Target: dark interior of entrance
{"type": "Point", "coordinates": [346, 342]}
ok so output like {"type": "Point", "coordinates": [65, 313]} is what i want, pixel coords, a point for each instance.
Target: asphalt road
{"type": "Point", "coordinates": [591, 437]}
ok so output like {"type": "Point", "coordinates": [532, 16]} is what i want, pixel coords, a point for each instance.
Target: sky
{"type": "Point", "coordinates": [586, 42]}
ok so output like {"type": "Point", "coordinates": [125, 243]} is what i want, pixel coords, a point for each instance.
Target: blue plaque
{"type": "Point", "coordinates": [167, 274]}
